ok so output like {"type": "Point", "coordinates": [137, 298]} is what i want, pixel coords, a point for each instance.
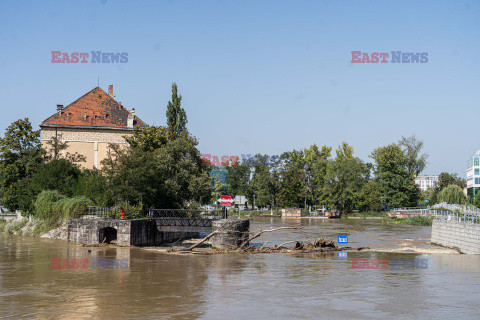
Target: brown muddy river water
{"type": "Point", "coordinates": [154, 285]}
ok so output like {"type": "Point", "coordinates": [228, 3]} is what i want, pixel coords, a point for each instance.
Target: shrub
{"type": "Point", "coordinates": [131, 211]}
{"type": "Point", "coordinates": [45, 204]}
{"type": "Point", "coordinates": [452, 194]}
{"type": "Point", "coordinates": [52, 206]}
{"type": "Point", "coordinates": [72, 207]}
{"type": "Point", "coordinates": [416, 220]}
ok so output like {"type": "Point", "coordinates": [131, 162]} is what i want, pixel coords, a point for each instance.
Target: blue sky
{"type": "Point", "coordinates": [259, 76]}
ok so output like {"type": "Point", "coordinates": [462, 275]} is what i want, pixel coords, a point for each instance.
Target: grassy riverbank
{"type": "Point", "coordinates": [55, 229]}
{"type": "Point", "coordinates": [415, 221]}
{"type": "Point", "coordinates": [365, 214]}
{"type": "Point", "coordinates": [246, 213]}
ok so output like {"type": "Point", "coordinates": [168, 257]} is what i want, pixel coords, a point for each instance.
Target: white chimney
{"type": "Point", "coordinates": [130, 120]}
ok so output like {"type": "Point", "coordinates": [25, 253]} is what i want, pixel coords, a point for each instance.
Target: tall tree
{"type": "Point", "coordinates": [395, 181]}
{"type": "Point", "coordinates": [315, 168]}
{"type": "Point", "coordinates": [445, 179]}
{"type": "Point", "coordinates": [161, 175]}
{"type": "Point", "coordinates": [370, 197]}
{"type": "Point", "coordinates": [218, 189]}
{"type": "Point", "coordinates": [20, 154]}
{"type": "Point", "coordinates": [238, 179]}
{"type": "Point", "coordinates": [414, 161]}
{"type": "Point", "coordinates": [344, 179]}
{"type": "Point", "coordinates": [293, 187]}
{"type": "Point", "coordinates": [176, 115]}
{"type": "Point", "coordinates": [263, 182]}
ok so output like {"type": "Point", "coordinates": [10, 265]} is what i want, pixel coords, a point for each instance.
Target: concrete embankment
{"type": "Point", "coordinates": [461, 235]}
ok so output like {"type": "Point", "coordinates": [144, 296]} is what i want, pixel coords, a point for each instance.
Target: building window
{"type": "Point", "coordinates": [477, 180]}
{"type": "Point", "coordinates": [475, 161]}
{"type": "Point", "coordinates": [477, 172]}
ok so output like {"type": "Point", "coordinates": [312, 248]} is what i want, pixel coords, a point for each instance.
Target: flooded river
{"type": "Point", "coordinates": [152, 285]}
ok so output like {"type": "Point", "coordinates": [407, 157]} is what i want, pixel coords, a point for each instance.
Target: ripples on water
{"type": "Point", "coordinates": [240, 286]}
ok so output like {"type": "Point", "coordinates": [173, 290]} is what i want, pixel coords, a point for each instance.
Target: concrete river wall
{"type": "Point", "coordinates": [136, 232]}
{"type": "Point", "coordinates": [461, 235]}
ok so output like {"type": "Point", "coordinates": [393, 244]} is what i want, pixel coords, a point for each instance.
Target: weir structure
{"type": "Point", "coordinates": [160, 226]}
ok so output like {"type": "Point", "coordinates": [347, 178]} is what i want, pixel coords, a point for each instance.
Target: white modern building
{"type": "Point", "coordinates": [473, 174]}
{"type": "Point", "coordinates": [425, 182]}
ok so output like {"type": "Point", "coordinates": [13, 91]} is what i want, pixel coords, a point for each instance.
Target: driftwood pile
{"type": "Point", "coordinates": [318, 245]}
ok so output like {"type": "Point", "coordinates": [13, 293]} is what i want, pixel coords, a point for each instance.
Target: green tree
{"type": "Point", "coordinates": [176, 115]}
{"type": "Point", "coordinates": [160, 175]}
{"type": "Point", "coordinates": [395, 182]}
{"type": "Point", "coordinates": [148, 138]}
{"type": "Point", "coordinates": [431, 195]}
{"type": "Point", "coordinates": [344, 179]}
{"type": "Point", "coordinates": [264, 183]}
{"type": "Point", "coordinates": [452, 194]}
{"type": "Point", "coordinates": [476, 201]}
{"type": "Point", "coordinates": [293, 187]}
{"type": "Point", "coordinates": [370, 197]}
{"type": "Point", "coordinates": [20, 155]}
{"type": "Point", "coordinates": [238, 179]}
{"type": "Point", "coordinates": [93, 185]}
{"type": "Point", "coordinates": [60, 175]}
{"type": "Point", "coordinates": [315, 162]}
{"type": "Point", "coordinates": [414, 161]}
{"type": "Point", "coordinates": [445, 179]}
{"type": "Point", "coordinates": [218, 189]}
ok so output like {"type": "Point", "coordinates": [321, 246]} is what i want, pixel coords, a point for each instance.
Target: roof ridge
{"type": "Point", "coordinates": [53, 115]}
{"type": "Point", "coordinates": [100, 99]}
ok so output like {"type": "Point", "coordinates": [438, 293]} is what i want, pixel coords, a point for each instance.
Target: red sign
{"type": "Point", "coordinates": [225, 200]}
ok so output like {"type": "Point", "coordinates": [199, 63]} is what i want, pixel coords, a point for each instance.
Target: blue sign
{"type": "Point", "coordinates": [342, 239]}
{"type": "Point", "coordinates": [342, 255]}
{"type": "Point", "coordinates": [426, 200]}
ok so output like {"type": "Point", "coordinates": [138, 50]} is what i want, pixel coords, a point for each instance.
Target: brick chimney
{"type": "Point", "coordinates": [59, 107]}
{"type": "Point", "coordinates": [110, 91]}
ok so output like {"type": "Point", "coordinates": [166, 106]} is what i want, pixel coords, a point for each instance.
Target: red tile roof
{"type": "Point", "coordinates": [95, 109]}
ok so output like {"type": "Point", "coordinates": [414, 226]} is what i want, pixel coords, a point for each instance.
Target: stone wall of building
{"type": "Point", "coordinates": [464, 236]}
{"type": "Point", "coordinates": [135, 232]}
{"type": "Point", "coordinates": [91, 143]}
{"type": "Point", "coordinates": [88, 230]}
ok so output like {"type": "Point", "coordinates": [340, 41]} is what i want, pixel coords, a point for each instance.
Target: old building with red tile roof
{"type": "Point", "coordinates": [90, 124]}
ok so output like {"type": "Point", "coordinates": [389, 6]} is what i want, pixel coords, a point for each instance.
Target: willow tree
{"type": "Point", "coordinates": [452, 194]}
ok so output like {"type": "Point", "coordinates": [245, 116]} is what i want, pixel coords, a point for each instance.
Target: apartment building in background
{"type": "Point", "coordinates": [426, 181]}
{"type": "Point", "coordinates": [473, 174]}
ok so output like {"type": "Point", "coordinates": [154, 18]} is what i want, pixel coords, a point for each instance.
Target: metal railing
{"type": "Point", "coordinates": [457, 217]}
{"type": "Point", "coordinates": [95, 212]}
{"type": "Point", "coordinates": [464, 209]}
{"type": "Point", "coordinates": [184, 214]}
